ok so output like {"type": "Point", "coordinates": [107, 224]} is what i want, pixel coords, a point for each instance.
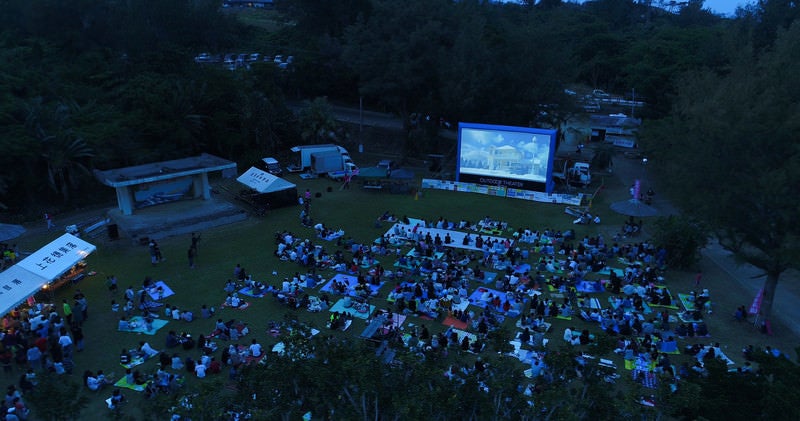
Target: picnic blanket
{"type": "Point", "coordinates": [488, 277]}
{"type": "Point", "coordinates": [592, 303]}
{"type": "Point", "coordinates": [339, 307]}
{"type": "Point", "coordinates": [138, 325]}
{"type": "Point", "coordinates": [159, 290]}
{"type": "Point", "coordinates": [717, 353]}
{"type": "Point", "coordinates": [477, 297]}
{"type": "Point", "coordinates": [243, 306]}
{"type": "Point", "coordinates": [452, 321]}
{"type": "Point", "coordinates": [396, 320]}
{"type": "Point", "coordinates": [688, 302]}
{"type": "Point", "coordinates": [461, 334]}
{"type": "Point", "coordinates": [250, 292]}
{"type": "Point", "coordinates": [669, 347]}
{"type": "Point", "coordinates": [671, 306]}
{"type": "Point", "coordinates": [589, 287]}
{"type": "Point", "coordinates": [351, 282]}
{"type": "Point", "coordinates": [522, 268]}
{"type": "Point", "coordinates": [607, 271]}
{"type": "Point", "coordinates": [414, 253]}
{"type": "Point", "coordinates": [138, 360]}
{"type": "Point", "coordinates": [123, 382]}
{"type": "Point", "coordinates": [645, 306]}
{"type": "Point", "coordinates": [688, 317]}
{"type": "Point", "coordinates": [332, 236]}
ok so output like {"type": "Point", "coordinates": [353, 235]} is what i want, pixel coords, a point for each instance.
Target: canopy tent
{"type": "Point", "coordinates": [372, 173]}
{"type": "Point", "coordinates": [271, 191]}
{"type": "Point", "coordinates": [263, 182]}
{"type": "Point", "coordinates": [56, 258]}
{"type": "Point", "coordinates": [16, 285]}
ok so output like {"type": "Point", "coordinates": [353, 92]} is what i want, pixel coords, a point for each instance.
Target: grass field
{"type": "Point", "coordinates": [251, 244]}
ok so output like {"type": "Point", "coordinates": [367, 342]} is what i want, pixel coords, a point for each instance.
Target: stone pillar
{"type": "Point", "coordinates": [125, 200]}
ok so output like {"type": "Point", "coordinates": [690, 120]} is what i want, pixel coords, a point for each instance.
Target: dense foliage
{"type": "Point", "coordinates": [105, 84]}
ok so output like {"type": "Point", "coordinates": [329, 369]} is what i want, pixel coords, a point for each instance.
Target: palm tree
{"type": "Point", "coordinates": [64, 157]}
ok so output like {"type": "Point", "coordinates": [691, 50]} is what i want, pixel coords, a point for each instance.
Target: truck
{"type": "Point", "coordinates": [304, 152]}
{"type": "Point", "coordinates": [324, 162]}
{"type": "Point", "coordinates": [348, 169]}
{"type": "Point", "coordinates": [572, 172]}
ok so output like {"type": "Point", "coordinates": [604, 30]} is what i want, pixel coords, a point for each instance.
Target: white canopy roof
{"type": "Point", "coordinates": [16, 285]}
{"type": "Point", "coordinates": [263, 182]}
{"type": "Point", "coordinates": [52, 260]}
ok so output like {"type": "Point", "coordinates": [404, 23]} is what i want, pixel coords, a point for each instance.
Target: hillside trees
{"type": "Point", "coordinates": [733, 140]}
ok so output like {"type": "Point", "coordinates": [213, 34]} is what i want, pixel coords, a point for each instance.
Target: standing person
{"type": "Point", "coordinates": [77, 336]}
{"type": "Point", "coordinates": [49, 219]}
{"type": "Point", "coordinates": [698, 278]}
{"type": "Point", "coordinates": [159, 257]}
{"type": "Point", "coordinates": [112, 284]}
{"type": "Point", "coordinates": [191, 254]}
{"type": "Point", "coordinates": [83, 305]}
{"type": "Point", "coordinates": [153, 256]}
{"type": "Point", "coordinates": [67, 311]}
{"type": "Point", "coordinates": [195, 241]}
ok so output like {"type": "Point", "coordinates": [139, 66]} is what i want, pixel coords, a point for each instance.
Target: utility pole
{"type": "Point", "coordinates": [361, 124]}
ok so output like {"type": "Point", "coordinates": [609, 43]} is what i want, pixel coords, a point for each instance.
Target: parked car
{"type": "Point", "coordinates": [278, 59]}
{"type": "Point", "coordinates": [271, 165]}
{"type": "Point", "coordinates": [202, 58]}
{"type": "Point", "coordinates": [255, 57]}
{"type": "Point", "coordinates": [599, 93]}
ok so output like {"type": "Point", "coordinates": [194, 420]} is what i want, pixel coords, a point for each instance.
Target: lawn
{"type": "Point", "coordinates": [251, 243]}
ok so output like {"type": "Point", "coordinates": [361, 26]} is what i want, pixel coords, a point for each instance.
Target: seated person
{"type": "Point", "coordinates": [92, 383]}
{"type": "Point", "coordinates": [117, 398]}
{"type": "Point", "coordinates": [172, 339]}
{"type": "Point", "coordinates": [124, 357]}
{"type": "Point", "coordinates": [123, 324]}
{"type": "Point", "coordinates": [146, 351]}
{"type": "Point", "coordinates": [187, 316]}
{"type": "Point", "coordinates": [176, 362]}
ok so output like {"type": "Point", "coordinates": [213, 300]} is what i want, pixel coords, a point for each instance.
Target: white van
{"type": "Point", "coordinates": [272, 166]}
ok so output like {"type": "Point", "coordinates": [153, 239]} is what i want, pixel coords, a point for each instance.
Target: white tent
{"type": "Point", "coordinates": [263, 182]}
{"type": "Point", "coordinates": [52, 260]}
{"type": "Point", "coordinates": [16, 285]}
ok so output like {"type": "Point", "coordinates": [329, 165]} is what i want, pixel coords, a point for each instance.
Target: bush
{"type": "Point", "coordinates": [682, 238]}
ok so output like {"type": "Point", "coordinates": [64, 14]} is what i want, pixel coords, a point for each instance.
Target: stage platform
{"type": "Point", "coordinates": [176, 218]}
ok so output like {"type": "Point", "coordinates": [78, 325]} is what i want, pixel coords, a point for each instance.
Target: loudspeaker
{"type": "Point", "coordinates": [113, 231]}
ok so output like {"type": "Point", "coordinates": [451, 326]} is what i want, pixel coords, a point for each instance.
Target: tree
{"type": "Point", "coordinates": [318, 124]}
{"type": "Point", "coordinates": [682, 238]}
{"type": "Point", "coordinates": [731, 156]}
{"type": "Point", "coordinates": [57, 398]}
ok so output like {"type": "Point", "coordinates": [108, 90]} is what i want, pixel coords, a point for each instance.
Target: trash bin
{"type": "Point", "coordinates": [113, 231]}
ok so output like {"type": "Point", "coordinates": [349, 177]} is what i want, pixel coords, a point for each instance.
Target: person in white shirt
{"type": "Point", "coordinates": [176, 314]}
{"type": "Point", "coordinates": [200, 370]}
{"type": "Point", "coordinates": [147, 350]}
{"type": "Point", "coordinates": [93, 383]}
{"type": "Point", "coordinates": [255, 349]}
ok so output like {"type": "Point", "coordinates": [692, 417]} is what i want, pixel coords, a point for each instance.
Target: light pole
{"type": "Point", "coordinates": [361, 124]}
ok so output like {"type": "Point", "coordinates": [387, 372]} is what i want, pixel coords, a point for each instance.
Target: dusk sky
{"type": "Point", "coordinates": [724, 7]}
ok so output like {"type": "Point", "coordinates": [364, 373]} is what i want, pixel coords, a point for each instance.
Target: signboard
{"type": "Point", "coordinates": [59, 256]}
{"type": "Point", "coordinates": [16, 285]}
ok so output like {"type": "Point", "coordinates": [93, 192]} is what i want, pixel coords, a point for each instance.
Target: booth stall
{"type": "Point", "coordinates": [58, 262]}
{"type": "Point", "coordinates": [16, 286]}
